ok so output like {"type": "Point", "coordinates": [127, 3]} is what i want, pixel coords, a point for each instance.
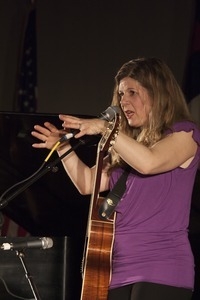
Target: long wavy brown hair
{"type": "Point", "coordinates": [168, 102]}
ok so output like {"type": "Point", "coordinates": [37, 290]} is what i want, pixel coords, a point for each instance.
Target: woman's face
{"type": "Point", "coordinates": [135, 102]}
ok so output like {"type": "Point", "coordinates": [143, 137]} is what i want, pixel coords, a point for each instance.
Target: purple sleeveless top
{"type": "Point", "coordinates": [151, 237]}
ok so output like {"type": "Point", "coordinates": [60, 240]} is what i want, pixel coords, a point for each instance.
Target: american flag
{"type": "Point", "coordinates": [27, 90]}
{"type": "Point", "coordinates": [11, 229]}
{"type": "Point", "coordinates": [25, 101]}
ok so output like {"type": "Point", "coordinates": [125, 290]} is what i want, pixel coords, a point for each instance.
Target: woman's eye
{"type": "Point", "coordinates": [120, 95]}
{"type": "Point", "coordinates": [132, 92]}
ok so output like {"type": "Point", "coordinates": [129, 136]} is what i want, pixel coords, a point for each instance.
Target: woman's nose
{"type": "Point", "coordinates": [124, 100]}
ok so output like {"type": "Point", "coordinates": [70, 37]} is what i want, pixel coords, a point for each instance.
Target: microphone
{"type": "Point", "coordinates": [107, 115]}
{"type": "Point", "coordinates": [41, 243]}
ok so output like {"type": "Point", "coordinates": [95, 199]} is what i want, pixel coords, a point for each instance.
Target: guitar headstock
{"type": "Point", "coordinates": [110, 134]}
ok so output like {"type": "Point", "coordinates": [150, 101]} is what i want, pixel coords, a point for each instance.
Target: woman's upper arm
{"type": "Point", "coordinates": [175, 150]}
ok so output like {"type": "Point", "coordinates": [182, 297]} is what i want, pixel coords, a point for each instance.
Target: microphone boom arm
{"type": "Point", "coordinates": [48, 167]}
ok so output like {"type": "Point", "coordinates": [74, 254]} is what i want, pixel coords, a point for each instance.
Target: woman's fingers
{"type": "Point", "coordinates": [39, 136]}
{"type": "Point", "coordinates": [41, 132]}
{"type": "Point", "coordinates": [51, 127]}
{"type": "Point", "coordinates": [48, 134]}
{"type": "Point", "coordinates": [86, 126]}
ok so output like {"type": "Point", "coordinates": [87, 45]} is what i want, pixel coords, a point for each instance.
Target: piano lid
{"type": "Point", "coordinates": [51, 205]}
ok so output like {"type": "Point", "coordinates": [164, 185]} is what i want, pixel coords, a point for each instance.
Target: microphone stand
{"type": "Point", "coordinates": [33, 287]}
{"type": "Point", "coordinates": [33, 179]}
{"type": "Point", "coordinates": [47, 168]}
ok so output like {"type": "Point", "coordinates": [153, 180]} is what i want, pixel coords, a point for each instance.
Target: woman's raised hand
{"type": "Point", "coordinates": [92, 126]}
{"type": "Point", "coordinates": [48, 134]}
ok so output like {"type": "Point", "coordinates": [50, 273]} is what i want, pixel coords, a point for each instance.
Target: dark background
{"type": "Point", "coordinates": [66, 53]}
{"type": "Point", "coordinates": [61, 57]}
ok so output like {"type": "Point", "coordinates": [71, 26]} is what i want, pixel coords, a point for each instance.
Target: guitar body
{"type": "Point", "coordinates": [100, 233]}
{"type": "Point", "coordinates": [96, 275]}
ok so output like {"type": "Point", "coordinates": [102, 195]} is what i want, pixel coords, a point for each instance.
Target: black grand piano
{"type": "Point", "coordinates": [52, 207]}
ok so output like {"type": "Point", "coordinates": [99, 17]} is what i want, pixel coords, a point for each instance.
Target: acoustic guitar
{"type": "Point", "coordinates": [96, 266]}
